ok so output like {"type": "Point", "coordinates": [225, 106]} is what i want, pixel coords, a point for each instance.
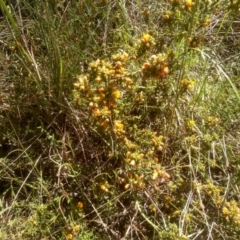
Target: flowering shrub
{"type": "Point", "coordinates": [120, 120]}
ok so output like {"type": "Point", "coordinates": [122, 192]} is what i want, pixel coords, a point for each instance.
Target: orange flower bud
{"type": "Point", "coordinates": [146, 65]}
{"type": "Point", "coordinates": [164, 72]}
{"type": "Point", "coordinates": [118, 64]}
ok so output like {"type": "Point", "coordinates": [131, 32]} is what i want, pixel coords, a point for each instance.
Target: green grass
{"type": "Point", "coordinates": [119, 120]}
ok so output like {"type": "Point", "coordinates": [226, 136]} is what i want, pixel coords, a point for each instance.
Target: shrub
{"type": "Point", "coordinates": [118, 122]}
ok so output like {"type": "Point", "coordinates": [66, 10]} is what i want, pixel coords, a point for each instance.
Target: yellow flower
{"type": "Point", "coordinates": [166, 17]}
{"type": "Point", "coordinates": [118, 64]}
{"type": "Point", "coordinates": [184, 83]}
{"type": "Point", "coordinates": [76, 228]}
{"type": "Point", "coordinates": [154, 175]}
{"type": "Point", "coordinates": [190, 84]}
{"type": "Point", "coordinates": [142, 185]}
{"type": "Point", "coordinates": [91, 105]}
{"type": "Point", "coordinates": [125, 56]}
{"type": "Point", "coordinates": [102, 95]}
{"type": "Point", "coordinates": [206, 22]}
{"type": "Point", "coordinates": [146, 65]}
{"type": "Point", "coordinates": [80, 205]}
{"type": "Point", "coordinates": [116, 94]}
{"type": "Point", "coordinates": [104, 187]}
{"type": "Point", "coordinates": [158, 142]}
{"type": "Point", "coordinates": [118, 127]}
{"type": "Point", "coordinates": [105, 111]}
{"type": "Point", "coordinates": [128, 80]}
{"type": "Point", "coordinates": [153, 208]}
{"type": "Point", "coordinates": [98, 79]}
{"type": "Point", "coordinates": [167, 198]}
{"type": "Point", "coordinates": [120, 70]}
{"type": "Point", "coordinates": [163, 72]}
{"type": "Point", "coordinates": [77, 85]}
{"type": "Point", "coordinates": [225, 211]}
{"type": "Point", "coordinates": [212, 120]}
{"type": "Point", "coordinates": [105, 123]}
{"type": "Point", "coordinates": [96, 112]}
{"type": "Point", "coordinates": [133, 162]}
{"type": "Point", "coordinates": [69, 237]}
{"type": "Point", "coordinates": [189, 3]}
{"type": "Point", "coordinates": [146, 38]}
{"type": "Point", "coordinates": [191, 123]}
{"type": "Point", "coordinates": [111, 72]}
{"type": "Point", "coordinates": [187, 84]}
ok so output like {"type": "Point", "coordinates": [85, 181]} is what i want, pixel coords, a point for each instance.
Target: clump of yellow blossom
{"type": "Point", "coordinates": [231, 211]}
{"type": "Point", "coordinates": [195, 42]}
{"type": "Point", "coordinates": [157, 142]}
{"type": "Point", "coordinates": [156, 66]}
{"type": "Point", "coordinates": [122, 57]}
{"type": "Point", "coordinates": [118, 127]}
{"type": "Point", "coordinates": [147, 41]}
{"type": "Point", "coordinates": [158, 172]}
{"type": "Point", "coordinates": [105, 186]}
{"type": "Point", "coordinates": [212, 121]}
{"type": "Point", "coordinates": [225, 211]}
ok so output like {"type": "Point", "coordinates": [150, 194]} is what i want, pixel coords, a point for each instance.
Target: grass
{"type": "Point", "coordinates": [119, 120]}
